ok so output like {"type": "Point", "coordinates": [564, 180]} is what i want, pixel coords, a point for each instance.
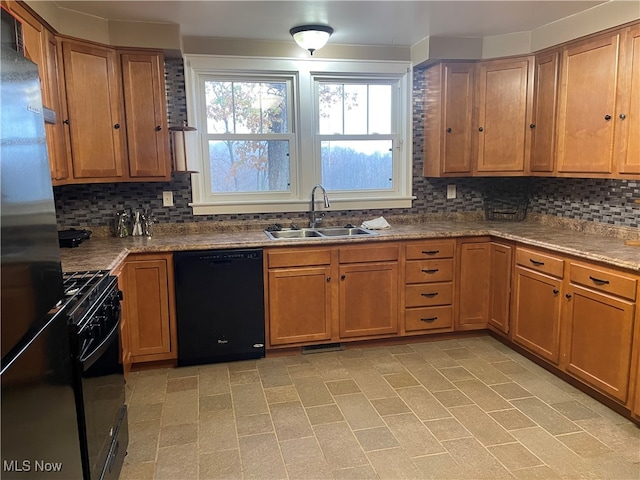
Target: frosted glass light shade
{"type": "Point", "coordinates": [311, 37]}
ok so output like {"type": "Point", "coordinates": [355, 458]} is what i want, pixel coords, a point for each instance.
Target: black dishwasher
{"type": "Point", "coordinates": [220, 305]}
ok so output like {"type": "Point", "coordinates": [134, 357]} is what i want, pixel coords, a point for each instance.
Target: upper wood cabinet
{"type": "Point", "coordinates": [503, 103]}
{"type": "Point", "coordinates": [146, 115]}
{"type": "Point", "coordinates": [543, 122]}
{"type": "Point", "coordinates": [449, 90]}
{"type": "Point", "coordinates": [599, 101]}
{"type": "Point", "coordinates": [115, 114]}
{"type": "Point", "coordinates": [477, 117]}
{"type": "Point", "coordinates": [628, 133]}
{"type": "Point", "coordinates": [93, 113]}
{"type": "Point", "coordinates": [587, 106]}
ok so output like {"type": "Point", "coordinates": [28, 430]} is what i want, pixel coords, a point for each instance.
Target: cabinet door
{"type": "Point", "coordinates": [587, 105]}
{"type": "Point", "coordinates": [500, 291]}
{"type": "Point", "coordinates": [543, 122]}
{"type": "Point", "coordinates": [368, 299]}
{"type": "Point", "coordinates": [125, 343]}
{"type": "Point", "coordinates": [448, 119]}
{"type": "Point", "coordinates": [58, 160]}
{"type": "Point", "coordinates": [536, 313]}
{"type": "Point", "coordinates": [628, 135]}
{"type": "Point", "coordinates": [146, 114]}
{"type": "Point", "coordinates": [599, 340]}
{"type": "Point", "coordinates": [300, 305]}
{"type": "Point", "coordinates": [147, 308]}
{"type": "Point", "coordinates": [503, 116]}
{"type": "Point", "coordinates": [473, 284]}
{"type": "Point", "coordinates": [94, 119]}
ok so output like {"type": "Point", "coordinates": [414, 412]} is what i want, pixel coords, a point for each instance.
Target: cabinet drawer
{"type": "Point", "coordinates": [384, 253]}
{"type": "Point", "coordinates": [429, 271]}
{"type": "Point", "coordinates": [540, 262]}
{"type": "Point", "coordinates": [298, 258]}
{"type": "Point", "coordinates": [604, 280]}
{"type": "Point", "coordinates": [427, 250]}
{"type": "Point", "coordinates": [428, 318]}
{"type": "Point", "coordinates": [428, 294]}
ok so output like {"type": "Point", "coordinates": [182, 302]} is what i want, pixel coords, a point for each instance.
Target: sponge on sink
{"type": "Point", "coordinates": [376, 224]}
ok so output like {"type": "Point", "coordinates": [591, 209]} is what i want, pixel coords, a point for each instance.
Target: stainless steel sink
{"type": "Point", "coordinates": [310, 233]}
{"type": "Point", "coordinates": [302, 233]}
{"type": "Point", "coordinates": [344, 231]}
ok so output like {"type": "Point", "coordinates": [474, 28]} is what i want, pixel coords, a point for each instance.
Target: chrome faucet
{"type": "Point", "coordinates": [315, 218]}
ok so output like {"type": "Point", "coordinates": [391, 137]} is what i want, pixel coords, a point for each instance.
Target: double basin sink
{"type": "Point", "coordinates": [324, 232]}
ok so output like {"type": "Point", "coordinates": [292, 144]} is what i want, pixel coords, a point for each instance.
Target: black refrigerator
{"type": "Point", "coordinates": [39, 429]}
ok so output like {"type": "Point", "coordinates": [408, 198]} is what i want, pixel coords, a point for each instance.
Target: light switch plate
{"type": "Point", "coordinates": [451, 190]}
{"type": "Point", "coordinates": [167, 199]}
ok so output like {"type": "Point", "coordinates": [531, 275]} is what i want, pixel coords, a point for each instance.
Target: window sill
{"type": "Point", "coordinates": [286, 206]}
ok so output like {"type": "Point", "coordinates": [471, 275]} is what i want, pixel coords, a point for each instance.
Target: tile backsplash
{"type": "Point", "coordinates": [608, 201]}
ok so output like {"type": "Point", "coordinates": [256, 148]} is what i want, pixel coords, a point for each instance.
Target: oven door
{"type": "Point", "coordinates": [104, 419]}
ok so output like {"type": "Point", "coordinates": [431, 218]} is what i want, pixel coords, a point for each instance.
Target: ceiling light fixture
{"type": "Point", "coordinates": [311, 37]}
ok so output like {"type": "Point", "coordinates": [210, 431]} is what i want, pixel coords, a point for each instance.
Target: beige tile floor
{"type": "Point", "coordinates": [454, 409]}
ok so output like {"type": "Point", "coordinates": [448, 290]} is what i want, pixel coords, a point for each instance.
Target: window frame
{"type": "Point", "coordinates": [305, 163]}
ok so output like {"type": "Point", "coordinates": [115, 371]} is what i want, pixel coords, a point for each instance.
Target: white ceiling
{"type": "Point", "coordinates": [395, 22]}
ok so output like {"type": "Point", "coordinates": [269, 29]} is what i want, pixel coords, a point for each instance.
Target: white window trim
{"type": "Point", "coordinates": [306, 172]}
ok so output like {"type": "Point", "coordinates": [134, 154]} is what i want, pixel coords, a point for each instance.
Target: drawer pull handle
{"type": "Point", "coordinates": [429, 320]}
{"type": "Point", "coordinates": [434, 270]}
{"type": "Point", "coordinates": [430, 252]}
{"type": "Point", "coordinates": [599, 281]}
{"type": "Point", "coordinates": [429, 295]}
{"type": "Point", "coordinates": [536, 262]}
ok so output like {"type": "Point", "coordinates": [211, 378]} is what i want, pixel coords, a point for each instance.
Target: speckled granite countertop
{"type": "Point", "coordinates": [109, 252]}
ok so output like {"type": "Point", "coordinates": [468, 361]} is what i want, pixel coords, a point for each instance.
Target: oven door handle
{"type": "Point", "coordinates": [89, 358]}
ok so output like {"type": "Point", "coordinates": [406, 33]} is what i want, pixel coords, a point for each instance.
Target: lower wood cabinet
{"type": "Point", "coordinates": [125, 343]}
{"type": "Point", "coordinates": [600, 329]}
{"type": "Point", "coordinates": [317, 295]}
{"type": "Point", "coordinates": [368, 299]}
{"type": "Point", "coordinates": [474, 284]}
{"type": "Point", "coordinates": [300, 304]}
{"type": "Point", "coordinates": [537, 303]}
{"type": "Point", "coordinates": [149, 307]}
{"type": "Point", "coordinates": [501, 266]}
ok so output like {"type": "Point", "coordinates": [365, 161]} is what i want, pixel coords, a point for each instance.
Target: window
{"type": "Point", "coordinates": [248, 135]}
{"type": "Point", "coordinates": [270, 129]}
{"type": "Point", "coordinates": [355, 125]}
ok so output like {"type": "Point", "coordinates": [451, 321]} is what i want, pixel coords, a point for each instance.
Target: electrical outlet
{"type": "Point", "coordinates": [167, 199]}
{"type": "Point", "coordinates": [451, 190]}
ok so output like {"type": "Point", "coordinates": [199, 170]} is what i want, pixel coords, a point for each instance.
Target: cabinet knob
{"type": "Point", "coordinates": [568, 295]}
{"type": "Point", "coordinates": [449, 130]}
{"type": "Point", "coordinates": [532, 125]}
{"type": "Point", "coordinates": [66, 122]}
{"type": "Point", "coordinates": [328, 279]}
{"type": "Point", "coordinates": [556, 291]}
{"type": "Point", "coordinates": [116, 126]}
{"type": "Point", "coordinates": [607, 117]}
{"type": "Point", "coordinates": [481, 129]}
{"type": "Point", "coordinates": [342, 277]}
{"type": "Point", "coordinates": [622, 116]}
{"type": "Point", "coordinates": [158, 128]}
